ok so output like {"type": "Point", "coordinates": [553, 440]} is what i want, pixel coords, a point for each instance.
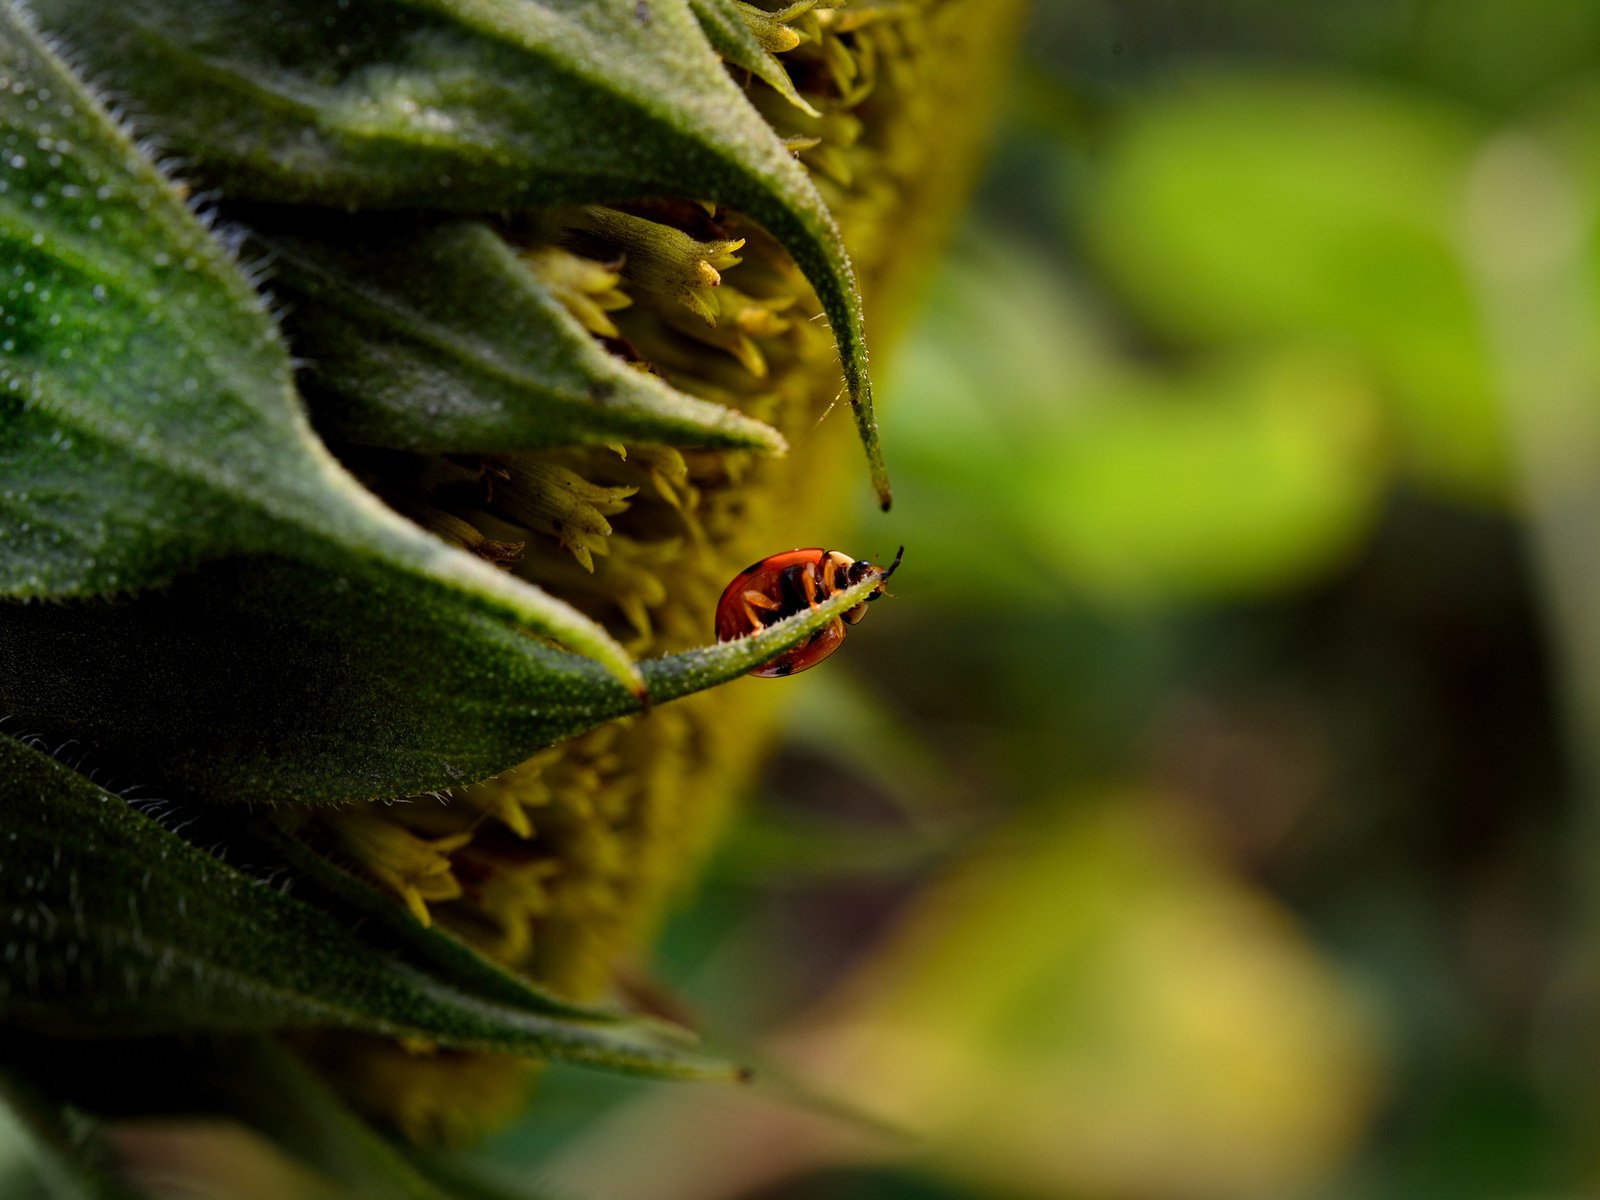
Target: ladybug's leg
{"type": "Point", "coordinates": [838, 579]}
{"type": "Point", "coordinates": [755, 603]}
{"type": "Point", "coordinates": [799, 588]}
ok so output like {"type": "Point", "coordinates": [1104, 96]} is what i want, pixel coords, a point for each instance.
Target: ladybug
{"type": "Point", "coordinates": [785, 584]}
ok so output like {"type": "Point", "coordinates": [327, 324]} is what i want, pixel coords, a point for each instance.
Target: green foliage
{"type": "Point", "coordinates": [149, 418]}
{"type": "Point", "coordinates": [465, 105]}
{"type": "Point", "coordinates": [151, 426]}
{"type": "Point", "coordinates": [279, 1130]}
{"type": "Point", "coordinates": [132, 931]}
{"type": "Point", "coordinates": [275, 1093]}
{"type": "Point", "coordinates": [728, 30]}
{"type": "Point", "coordinates": [68, 1149]}
{"type": "Point", "coordinates": [1283, 208]}
{"type": "Point", "coordinates": [307, 688]}
{"type": "Point", "coordinates": [438, 338]}
{"type": "Point", "coordinates": [195, 589]}
{"type": "Point", "coordinates": [1079, 470]}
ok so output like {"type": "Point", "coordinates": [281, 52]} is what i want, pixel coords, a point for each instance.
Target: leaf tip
{"type": "Point", "coordinates": [867, 426]}
{"type": "Point", "coordinates": [631, 677]}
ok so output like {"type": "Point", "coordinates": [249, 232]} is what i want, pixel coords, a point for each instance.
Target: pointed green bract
{"type": "Point", "coordinates": [352, 693]}
{"type": "Point", "coordinates": [728, 34]}
{"type": "Point", "coordinates": [147, 417]}
{"type": "Point", "coordinates": [439, 338]}
{"type": "Point", "coordinates": [441, 952]}
{"type": "Point", "coordinates": [130, 930]}
{"type": "Point", "coordinates": [465, 105]}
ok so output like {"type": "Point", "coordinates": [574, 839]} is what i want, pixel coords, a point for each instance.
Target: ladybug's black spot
{"type": "Point", "coordinates": [817, 636]}
{"type": "Point", "coordinates": [783, 668]}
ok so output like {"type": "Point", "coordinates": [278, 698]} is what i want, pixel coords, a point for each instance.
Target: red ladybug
{"type": "Point", "coordinates": [789, 583]}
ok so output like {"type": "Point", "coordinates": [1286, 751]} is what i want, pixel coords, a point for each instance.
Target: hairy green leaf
{"type": "Point", "coordinates": [309, 690]}
{"type": "Point", "coordinates": [441, 952]}
{"type": "Point", "coordinates": [125, 928]}
{"type": "Point", "coordinates": [147, 416]}
{"type": "Point", "coordinates": [466, 105]}
{"type": "Point", "coordinates": [439, 338]}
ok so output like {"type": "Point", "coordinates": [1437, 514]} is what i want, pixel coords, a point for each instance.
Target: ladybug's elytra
{"type": "Point", "coordinates": [785, 584]}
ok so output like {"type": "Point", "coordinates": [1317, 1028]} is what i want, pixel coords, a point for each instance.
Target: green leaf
{"type": "Point", "coordinates": [69, 1150]}
{"type": "Point", "coordinates": [147, 417]}
{"type": "Point", "coordinates": [267, 1086]}
{"type": "Point", "coordinates": [1087, 475]}
{"type": "Point", "coordinates": [125, 928]}
{"type": "Point", "coordinates": [439, 338]}
{"type": "Point", "coordinates": [1264, 206]}
{"type": "Point", "coordinates": [482, 1181]}
{"type": "Point", "coordinates": [732, 37]}
{"type": "Point", "coordinates": [352, 692]}
{"type": "Point", "coordinates": [440, 952]}
{"type": "Point", "coordinates": [465, 105]}
{"type": "Point", "coordinates": [1242, 480]}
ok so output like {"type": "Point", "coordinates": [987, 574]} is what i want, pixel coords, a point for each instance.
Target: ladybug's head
{"type": "Point", "coordinates": [860, 570]}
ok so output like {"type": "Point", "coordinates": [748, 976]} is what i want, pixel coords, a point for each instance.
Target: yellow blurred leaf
{"type": "Point", "coordinates": [1099, 1010]}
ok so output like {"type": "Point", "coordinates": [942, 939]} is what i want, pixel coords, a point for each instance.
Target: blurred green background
{"type": "Point", "coordinates": [1211, 813]}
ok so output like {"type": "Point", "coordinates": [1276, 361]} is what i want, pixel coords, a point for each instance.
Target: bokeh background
{"type": "Point", "coordinates": [1210, 814]}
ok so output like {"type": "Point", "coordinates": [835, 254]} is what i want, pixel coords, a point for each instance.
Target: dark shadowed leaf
{"type": "Point", "coordinates": [438, 951]}
{"type": "Point", "coordinates": [70, 1153]}
{"type": "Point", "coordinates": [147, 417]}
{"type": "Point", "coordinates": [125, 928]}
{"type": "Point", "coordinates": [439, 338]}
{"type": "Point", "coordinates": [469, 106]}
{"type": "Point", "coordinates": [268, 1087]}
{"type": "Point", "coordinates": [484, 1181]}
{"type": "Point", "coordinates": [309, 688]}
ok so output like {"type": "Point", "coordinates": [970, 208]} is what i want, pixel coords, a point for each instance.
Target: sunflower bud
{"type": "Point", "coordinates": [558, 288]}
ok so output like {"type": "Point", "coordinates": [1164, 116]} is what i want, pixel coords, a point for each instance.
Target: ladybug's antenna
{"type": "Point", "coordinates": [895, 565]}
